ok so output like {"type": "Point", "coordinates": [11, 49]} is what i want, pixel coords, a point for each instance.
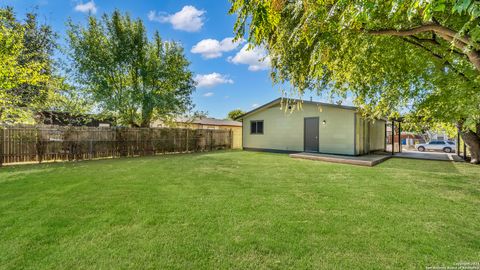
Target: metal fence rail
{"type": "Point", "coordinates": [20, 144]}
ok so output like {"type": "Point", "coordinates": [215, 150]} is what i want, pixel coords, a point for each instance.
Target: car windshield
{"type": "Point", "coordinates": [450, 142]}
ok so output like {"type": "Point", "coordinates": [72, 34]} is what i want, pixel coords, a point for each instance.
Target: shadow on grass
{"type": "Point", "coordinates": [18, 167]}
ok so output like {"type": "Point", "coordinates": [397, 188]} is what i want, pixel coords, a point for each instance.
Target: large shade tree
{"type": "Point", "coordinates": [27, 81]}
{"type": "Point", "coordinates": [137, 79]}
{"type": "Point", "coordinates": [421, 57]}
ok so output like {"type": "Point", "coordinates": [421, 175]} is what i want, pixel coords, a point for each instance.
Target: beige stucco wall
{"type": "Point", "coordinates": [360, 136]}
{"type": "Point", "coordinates": [370, 135]}
{"type": "Point", "coordinates": [284, 130]}
{"type": "Point", "coordinates": [377, 135]}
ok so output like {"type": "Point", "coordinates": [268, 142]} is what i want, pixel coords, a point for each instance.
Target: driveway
{"type": "Point", "coordinates": [428, 155]}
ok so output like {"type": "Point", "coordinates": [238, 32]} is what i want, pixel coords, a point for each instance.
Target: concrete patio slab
{"type": "Point", "coordinates": [365, 160]}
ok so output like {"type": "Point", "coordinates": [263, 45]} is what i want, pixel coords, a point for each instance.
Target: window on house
{"type": "Point", "coordinates": [256, 127]}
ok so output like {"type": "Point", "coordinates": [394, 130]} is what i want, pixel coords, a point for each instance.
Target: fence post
{"type": "Point", "coordinates": [90, 147]}
{"type": "Point", "coordinates": [174, 141]}
{"type": "Point", "coordinates": [211, 140]}
{"type": "Point", "coordinates": [187, 141]}
{"type": "Point", "coordinates": [151, 145]}
{"type": "Point", "coordinates": [2, 139]}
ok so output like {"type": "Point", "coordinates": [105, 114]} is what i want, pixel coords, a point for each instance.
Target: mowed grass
{"type": "Point", "coordinates": [239, 210]}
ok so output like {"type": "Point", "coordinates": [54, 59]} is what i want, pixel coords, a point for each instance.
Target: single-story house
{"type": "Point", "coordinates": [314, 127]}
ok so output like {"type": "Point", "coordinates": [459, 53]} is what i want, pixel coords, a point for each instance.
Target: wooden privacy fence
{"type": "Point", "coordinates": [50, 143]}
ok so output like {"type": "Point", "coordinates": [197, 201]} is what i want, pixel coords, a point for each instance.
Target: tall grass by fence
{"type": "Point", "coordinates": [52, 143]}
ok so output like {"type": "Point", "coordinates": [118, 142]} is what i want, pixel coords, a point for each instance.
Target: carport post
{"type": "Point", "coordinates": [393, 137]}
{"type": "Point", "coordinates": [399, 136]}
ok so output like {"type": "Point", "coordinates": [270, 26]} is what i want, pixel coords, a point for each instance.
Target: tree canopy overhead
{"type": "Point", "coordinates": [136, 78]}
{"type": "Point", "coordinates": [394, 56]}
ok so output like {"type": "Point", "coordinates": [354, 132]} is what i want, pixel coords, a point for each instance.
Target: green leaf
{"type": "Point", "coordinates": [440, 7]}
{"type": "Point", "coordinates": [461, 6]}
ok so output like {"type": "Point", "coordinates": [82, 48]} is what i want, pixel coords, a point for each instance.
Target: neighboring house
{"type": "Point", "coordinates": [67, 119]}
{"type": "Point", "coordinates": [438, 136]}
{"type": "Point", "coordinates": [208, 123]}
{"type": "Point", "coordinates": [316, 127]}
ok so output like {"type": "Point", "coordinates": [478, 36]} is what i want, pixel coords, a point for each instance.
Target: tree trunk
{"type": "Point", "coordinates": [472, 140]}
{"type": "Point", "coordinates": [147, 112]}
{"type": "Point", "coordinates": [145, 123]}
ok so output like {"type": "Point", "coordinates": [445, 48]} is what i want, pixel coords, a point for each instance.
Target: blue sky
{"type": "Point", "coordinates": [229, 76]}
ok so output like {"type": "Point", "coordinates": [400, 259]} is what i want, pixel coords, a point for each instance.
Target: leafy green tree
{"type": "Point", "coordinates": [394, 56]}
{"type": "Point", "coordinates": [137, 79]}
{"type": "Point", "coordinates": [235, 113]}
{"type": "Point", "coordinates": [69, 99]}
{"type": "Point", "coordinates": [26, 78]}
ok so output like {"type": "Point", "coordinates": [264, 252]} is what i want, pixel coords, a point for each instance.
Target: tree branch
{"type": "Point", "coordinates": [473, 55]}
{"type": "Point", "coordinates": [436, 55]}
{"type": "Point", "coordinates": [460, 42]}
{"type": "Point", "coordinates": [439, 29]}
{"type": "Point", "coordinates": [453, 50]}
{"type": "Point", "coordinates": [426, 40]}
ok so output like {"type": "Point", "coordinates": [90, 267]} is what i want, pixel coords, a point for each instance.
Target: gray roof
{"type": "Point", "coordinates": [274, 102]}
{"type": "Point", "coordinates": [211, 122]}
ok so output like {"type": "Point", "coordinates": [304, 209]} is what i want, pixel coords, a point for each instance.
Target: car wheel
{"type": "Point", "coordinates": [447, 150]}
{"type": "Point", "coordinates": [421, 149]}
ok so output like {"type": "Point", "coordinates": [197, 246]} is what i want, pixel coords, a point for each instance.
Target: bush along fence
{"type": "Point", "coordinates": [51, 143]}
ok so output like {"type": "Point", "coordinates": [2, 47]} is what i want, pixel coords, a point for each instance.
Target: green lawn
{"type": "Point", "coordinates": [239, 210]}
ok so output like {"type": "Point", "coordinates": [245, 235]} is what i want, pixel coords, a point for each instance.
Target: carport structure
{"type": "Point", "coordinates": [395, 125]}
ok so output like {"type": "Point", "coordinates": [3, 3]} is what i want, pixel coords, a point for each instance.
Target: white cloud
{"type": "Point", "coordinates": [211, 80]}
{"type": "Point", "coordinates": [208, 94]}
{"type": "Point", "coordinates": [255, 105]}
{"type": "Point", "coordinates": [88, 7]}
{"type": "Point", "coordinates": [256, 58]}
{"type": "Point", "coordinates": [188, 19]}
{"type": "Point", "coordinates": [212, 48]}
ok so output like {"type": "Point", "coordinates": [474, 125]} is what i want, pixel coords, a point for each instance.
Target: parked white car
{"type": "Point", "coordinates": [445, 146]}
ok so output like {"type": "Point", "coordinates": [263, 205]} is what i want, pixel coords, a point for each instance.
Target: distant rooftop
{"type": "Point", "coordinates": [210, 121]}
